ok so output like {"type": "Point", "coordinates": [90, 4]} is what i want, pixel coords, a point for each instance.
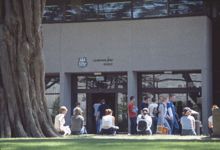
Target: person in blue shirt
{"type": "Point", "coordinates": [172, 115]}
{"type": "Point", "coordinates": [144, 103]}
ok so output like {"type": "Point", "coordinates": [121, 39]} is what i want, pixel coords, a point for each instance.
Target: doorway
{"type": "Point", "coordinates": [96, 98]}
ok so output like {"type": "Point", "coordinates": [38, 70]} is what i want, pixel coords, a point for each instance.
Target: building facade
{"type": "Point", "coordinates": [114, 49]}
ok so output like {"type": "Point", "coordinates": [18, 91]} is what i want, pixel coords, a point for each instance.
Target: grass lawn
{"type": "Point", "coordinates": [119, 142]}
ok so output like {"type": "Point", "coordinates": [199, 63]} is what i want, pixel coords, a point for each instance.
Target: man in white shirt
{"type": "Point", "coordinates": [152, 110]}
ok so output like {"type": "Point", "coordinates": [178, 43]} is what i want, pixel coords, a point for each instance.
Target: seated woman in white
{"type": "Point", "coordinates": [108, 123]}
{"type": "Point", "coordinates": [60, 121]}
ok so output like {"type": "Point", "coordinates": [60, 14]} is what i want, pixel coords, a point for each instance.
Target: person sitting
{"type": "Point", "coordinates": [144, 122]}
{"type": "Point", "coordinates": [108, 123]}
{"type": "Point", "coordinates": [77, 125]}
{"type": "Point", "coordinates": [60, 121]}
{"type": "Point", "coordinates": [210, 120]}
{"type": "Point", "coordinates": [188, 122]}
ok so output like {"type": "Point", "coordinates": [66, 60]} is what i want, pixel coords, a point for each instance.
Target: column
{"type": "Point", "coordinates": [65, 94]}
{"type": "Point", "coordinates": [132, 89]}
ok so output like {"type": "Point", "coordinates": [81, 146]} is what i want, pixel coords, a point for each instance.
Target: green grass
{"type": "Point", "coordinates": [110, 143]}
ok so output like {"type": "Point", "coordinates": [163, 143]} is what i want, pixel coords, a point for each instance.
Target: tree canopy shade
{"type": "Point", "coordinates": [22, 99]}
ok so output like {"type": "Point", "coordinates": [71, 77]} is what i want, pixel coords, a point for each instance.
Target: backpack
{"type": "Point", "coordinates": [142, 124]}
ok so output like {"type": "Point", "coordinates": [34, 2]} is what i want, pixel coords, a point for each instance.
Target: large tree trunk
{"type": "Point", "coordinates": [22, 98]}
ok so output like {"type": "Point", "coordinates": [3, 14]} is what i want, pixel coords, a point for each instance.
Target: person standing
{"type": "Point", "coordinates": [144, 103]}
{"type": "Point", "coordinates": [132, 114]}
{"type": "Point", "coordinates": [153, 113]}
{"type": "Point", "coordinates": [96, 116]}
{"type": "Point", "coordinates": [162, 114]}
{"type": "Point", "coordinates": [172, 115]}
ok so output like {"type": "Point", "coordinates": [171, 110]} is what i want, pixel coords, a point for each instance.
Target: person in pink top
{"type": "Point", "coordinates": [132, 114]}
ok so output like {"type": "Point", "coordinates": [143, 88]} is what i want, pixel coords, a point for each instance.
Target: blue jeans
{"type": "Point", "coordinates": [98, 126]}
{"type": "Point", "coordinates": [164, 122]}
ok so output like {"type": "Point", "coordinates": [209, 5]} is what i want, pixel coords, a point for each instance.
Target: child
{"type": "Point", "coordinates": [188, 122]}
{"type": "Point", "coordinates": [60, 121]}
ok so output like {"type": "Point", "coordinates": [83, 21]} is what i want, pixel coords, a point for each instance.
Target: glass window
{"type": "Point", "coordinates": [81, 82]}
{"type": "Point", "coordinates": [147, 81]}
{"type": "Point", "coordinates": [122, 116]}
{"type": "Point", "coordinates": [109, 81]}
{"type": "Point", "coordinates": [183, 7]}
{"type": "Point", "coordinates": [73, 12]}
{"type": "Point", "coordinates": [169, 81]}
{"type": "Point", "coordinates": [52, 92]}
{"type": "Point", "coordinates": [196, 80]}
{"type": "Point", "coordinates": [149, 8]}
{"type": "Point", "coordinates": [121, 82]}
{"type": "Point", "coordinates": [81, 98]}
{"type": "Point", "coordinates": [53, 12]}
{"type": "Point", "coordinates": [115, 10]}
{"type": "Point", "coordinates": [89, 11]}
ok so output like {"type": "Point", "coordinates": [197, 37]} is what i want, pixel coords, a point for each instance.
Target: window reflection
{"type": "Point", "coordinates": [170, 81]}
{"type": "Point", "coordinates": [147, 81]}
{"type": "Point", "coordinates": [115, 10]}
{"type": "Point", "coordinates": [185, 85]}
{"type": "Point", "coordinates": [81, 82]}
{"type": "Point", "coordinates": [182, 7]}
{"type": "Point", "coordinates": [149, 8]}
{"type": "Point", "coordinates": [52, 92]}
{"type": "Point", "coordinates": [53, 13]}
{"type": "Point", "coordinates": [89, 11]}
{"type": "Point", "coordinates": [122, 112]}
{"type": "Point", "coordinates": [102, 81]}
{"type": "Point", "coordinates": [81, 98]}
{"type": "Point", "coordinates": [121, 81]}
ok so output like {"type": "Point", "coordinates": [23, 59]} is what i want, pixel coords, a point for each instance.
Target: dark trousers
{"type": "Point", "coordinates": [133, 121]}
{"type": "Point", "coordinates": [108, 131]}
{"type": "Point", "coordinates": [154, 125]}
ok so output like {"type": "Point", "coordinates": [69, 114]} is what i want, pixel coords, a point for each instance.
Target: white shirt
{"type": "Point", "coordinates": [59, 122]}
{"type": "Point", "coordinates": [187, 122]}
{"type": "Point", "coordinates": [147, 118]}
{"type": "Point", "coordinates": [210, 120]}
{"type": "Point", "coordinates": [96, 107]}
{"type": "Point", "coordinates": [107, 122]}
{"type": "Point", "coordinates": [151, 108]}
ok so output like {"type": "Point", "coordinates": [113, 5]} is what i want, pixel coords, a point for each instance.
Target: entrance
{"type": "Point", "coordinates": [90, 88]}
{"type": "Point", "coordinates": [96, 98]}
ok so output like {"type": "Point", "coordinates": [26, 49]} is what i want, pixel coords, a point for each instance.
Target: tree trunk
{"type": "Point", "coordinates": [22, 99]}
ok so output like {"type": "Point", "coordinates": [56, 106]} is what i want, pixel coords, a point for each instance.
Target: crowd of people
{"type": "Point", "coordinates": [150, 118]}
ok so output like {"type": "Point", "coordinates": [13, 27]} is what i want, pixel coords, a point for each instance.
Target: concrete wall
{"type": "Point", "coordinates": [152, 44]}
{"type": "Point", "coordinates": [182, 43]}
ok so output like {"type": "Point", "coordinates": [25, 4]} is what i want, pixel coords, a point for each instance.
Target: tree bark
{"type": "Point", "coordinates": [22, 98]}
